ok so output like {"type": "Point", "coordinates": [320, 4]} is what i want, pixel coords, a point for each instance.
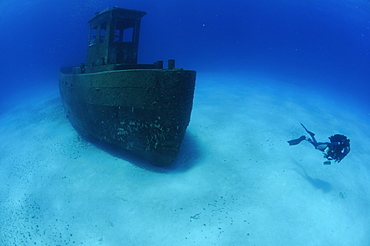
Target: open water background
{"type": "Point", "coordinates": [323, 43]}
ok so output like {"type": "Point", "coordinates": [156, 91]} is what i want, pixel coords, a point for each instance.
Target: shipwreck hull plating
{"type": "Point", "coordinates": [144, 111]}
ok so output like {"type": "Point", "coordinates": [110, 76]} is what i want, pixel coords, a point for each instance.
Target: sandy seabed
{"type": "Point", "coordinates": [235, 182]}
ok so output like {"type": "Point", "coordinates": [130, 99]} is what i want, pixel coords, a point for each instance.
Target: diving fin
{"type": "Point", "coordinates": [311, 133]}
{"type": "Point", "coordinates": [297, 141]}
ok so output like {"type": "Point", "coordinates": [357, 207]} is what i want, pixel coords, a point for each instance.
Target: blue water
{"type": "Point", "coordinates": [324, 43]}
{"type": "Point", "coordinates": [263, 66]}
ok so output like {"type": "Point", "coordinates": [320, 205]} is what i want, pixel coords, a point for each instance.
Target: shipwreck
{"type": "Point", "coordinates": [144, 109]}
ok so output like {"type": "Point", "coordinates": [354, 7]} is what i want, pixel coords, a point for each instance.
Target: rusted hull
{"type": "Point", "coordinates": [143, 111]}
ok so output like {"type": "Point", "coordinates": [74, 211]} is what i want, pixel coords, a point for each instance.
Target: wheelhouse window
{"type": "Point", "coordinates": [98, 34]}
{"type": "Point", "coordinates": [93, 34]}
{"type": "Point", "coordinates": [128, 34]}
{"type": "Point", "coordinates": [124, 31]}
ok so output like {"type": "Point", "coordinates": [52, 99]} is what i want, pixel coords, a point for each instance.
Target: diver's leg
{"type": "Point", "coordinates": [317, 145]}
{"type": "Point", "coordinates": [313, 142]}
{"type": "Point", "coordinates": [314, 139]}
{"type": "Point", "coordinates": [321, 146]}
{"type": "Point", "coordinates": [312, 135]}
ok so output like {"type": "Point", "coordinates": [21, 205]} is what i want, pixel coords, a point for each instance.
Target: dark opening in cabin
{"type": "Point", "coordinates": [123, 33]}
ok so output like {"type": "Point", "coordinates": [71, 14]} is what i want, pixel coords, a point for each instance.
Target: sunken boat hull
{"type": "Point", "coordinates": [143, 111]}
{"type": "Point", "coordinates": [141, 108]}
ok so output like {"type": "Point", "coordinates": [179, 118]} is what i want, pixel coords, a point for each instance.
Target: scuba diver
{"type": "Point", "coordinates": [336, 150]}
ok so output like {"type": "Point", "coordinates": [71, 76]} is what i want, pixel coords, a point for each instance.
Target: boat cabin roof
{"type": "Point", "coordinates": [116, 13]}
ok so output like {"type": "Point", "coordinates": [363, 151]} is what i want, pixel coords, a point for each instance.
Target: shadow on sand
{"type": "Point", "coordinates": [316, 183]}
{"type": "Point", "coordinates": [188, 155]}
